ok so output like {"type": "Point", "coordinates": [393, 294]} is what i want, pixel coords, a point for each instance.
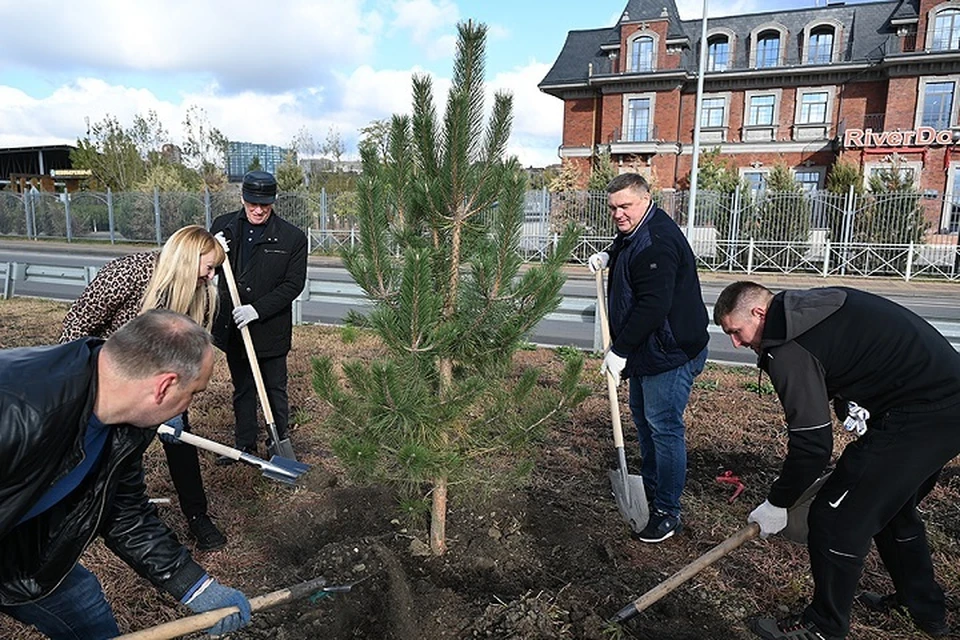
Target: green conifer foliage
{"type": "Point", "coordinates": [440, 219]}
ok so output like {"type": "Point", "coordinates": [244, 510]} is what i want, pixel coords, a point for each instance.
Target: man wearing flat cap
{"type": "Point", "coordinates": [269, 260]}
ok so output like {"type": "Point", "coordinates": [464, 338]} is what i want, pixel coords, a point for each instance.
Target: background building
{"type": "Point", "coordinates": [45, 167]}
{"type": "Point", "coordinates": [240, 155]}
{"type": "Point", "coordinates": [874, 82]}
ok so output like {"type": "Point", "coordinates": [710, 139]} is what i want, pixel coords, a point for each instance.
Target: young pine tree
{"type": "Point", "coordinates": [440, 217]}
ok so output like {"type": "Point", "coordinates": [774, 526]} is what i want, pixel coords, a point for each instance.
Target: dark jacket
{"type": "Point", "coordinates": [839, 344]}
{"type": "Point", "coordinates": [271, 280]}
{"type": "Point", "coordinates": [46, 400]}
{"type": "Point", "coordinates": [657, 317]}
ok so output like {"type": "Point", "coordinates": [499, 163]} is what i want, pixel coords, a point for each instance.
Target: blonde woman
{"type": "Point", "coordinates": [179, 278]}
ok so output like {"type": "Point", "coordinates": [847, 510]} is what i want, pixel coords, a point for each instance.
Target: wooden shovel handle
{"type": "Point", "coordinates": [201, 621]}
{"type": "Point", "coordinates": [749, 532]}
{"type": "Point", "coordinates": [611, 385]}
{"type": "Point", "coordinates": [248, 343]}
{"type": "Point", "coordinates": [201, 443]}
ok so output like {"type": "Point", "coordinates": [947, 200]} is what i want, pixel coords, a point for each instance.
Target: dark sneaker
{"type": "Point", "coordinates": [661, 526]}
{"type": "Point", "coordinates": [889, 603]}
{"type": "Point", "coordinates": [792, 628]}
{"type": "Point", "coordinates": [206, 533]}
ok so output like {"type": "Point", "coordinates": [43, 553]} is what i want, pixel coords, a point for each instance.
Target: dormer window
{"type": "Point", "coordinates": [820, 45]}
{"type": "Point", "coordinates": [641, 59]}
{"type": "Point", "coordinates": [768, 49]}
{"type": "Point", "coordinates": [946, 30]}
{"type": "Point", "coordinates": [718, 53]}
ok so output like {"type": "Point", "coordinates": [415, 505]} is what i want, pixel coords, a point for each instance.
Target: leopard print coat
{"type": "Point", "coordinates": [112, 299]}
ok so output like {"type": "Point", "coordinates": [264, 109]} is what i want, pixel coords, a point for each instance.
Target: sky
{"type": "Point", "coordinates": [265, 70]}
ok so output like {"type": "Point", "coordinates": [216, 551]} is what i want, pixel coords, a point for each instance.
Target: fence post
{"type": "Point", "coordinates": [26, 212]}
{"type": "Point", "coordinates": [750, 257]}
{"type": "Point", "coordinates": [734, 229]}
{"type": "Point", "coordinates": [907, 275]}
{"type": "Point", "coordinates": [113, 237]}
{"type": "Point", "coordinates": [826, 258]}
{"type": "Point", "coordinates": [66, 215]}
{"type": "Point", "coordinates": [847, 231]}
{"type": "Point", "coordinates": [207, 213]}
{"type": "Point", "coordinates": [323, 217]}
{"type": "Point", "coordinates": [352, 236]}
{"type": "Point", "coordinates": [156, 215]}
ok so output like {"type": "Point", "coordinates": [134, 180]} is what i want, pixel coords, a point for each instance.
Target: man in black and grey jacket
{"type": "Point", "coordinates": [895, 382]}
{"type": "Point", "coordinates": [75, 420]}
{"type": "Point", "coordinates": [269, 258]}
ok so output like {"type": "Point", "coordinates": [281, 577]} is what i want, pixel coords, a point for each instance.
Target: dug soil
{"type": "Point", "coordinates": [550, 558]}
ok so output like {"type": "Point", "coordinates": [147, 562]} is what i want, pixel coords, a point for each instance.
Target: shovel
{"type": "Point", "coordinates": [796, 530]}
{"type": "Point", "coordinates": [201, 621]}
{"type": "Point", "coordinates": [276, 446]}
{"type": "Point", "coordinates": [279, 469]}
{"type": "Point", "coordinates": [627, 488]}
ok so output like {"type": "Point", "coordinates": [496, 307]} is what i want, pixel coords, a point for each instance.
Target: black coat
{"type": "Point", "coordinates": [271, 280]}
{"type": "Point", "coordinates": [46, 400]}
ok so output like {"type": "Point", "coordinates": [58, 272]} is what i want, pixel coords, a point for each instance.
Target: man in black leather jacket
{"type": "Point", "coordinates": [268, 256]}
{"type": "Point", "coordinates": [75, 420]}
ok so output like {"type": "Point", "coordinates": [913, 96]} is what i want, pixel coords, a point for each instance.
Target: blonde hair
{"type": "Point", "coordinates": [173, 285]}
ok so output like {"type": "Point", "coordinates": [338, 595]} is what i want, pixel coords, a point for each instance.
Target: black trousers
{"type": "Point", "coordinates": [184, 463]}
{"type": "Point", "coordinates": [245, 400]}
{"type": "Point", "coordinates": [873, 494]}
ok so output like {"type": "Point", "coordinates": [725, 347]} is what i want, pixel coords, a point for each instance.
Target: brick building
{"type": "Point", "coordinates": [874, 82]}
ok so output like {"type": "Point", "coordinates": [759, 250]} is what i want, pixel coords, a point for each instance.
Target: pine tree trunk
{"type": "Point", "coordinates": [438, 517]}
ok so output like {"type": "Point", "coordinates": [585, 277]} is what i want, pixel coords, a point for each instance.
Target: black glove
{"type": "Point", "coordinates": [208, 594]}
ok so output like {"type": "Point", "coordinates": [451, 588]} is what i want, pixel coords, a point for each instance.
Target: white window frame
{"type": "Point", "coordinates": [932, 16]}
{"type": "Point", "coordinates": [837, 51]}
{"type": "Point", "coordinates": [915, 165]}
{"type": "Point", "coordinates": [953, 180]}
{"type": "Point", "coordinates": [802, 105]}
{"type": "Point", "coordinates": [631, 47]}
{"type": "Point", "coordinates": [762, 170]}
{"type": "Point", "coordinates": [748, 98]}
{"type": "Point", "coordinates": [819, 170]}
{"type": "Point", "coordinates": [731, 46]}
{"type": "Point", "coordinates": [922, 97]}
{"type": "Point", "coordinates": [754, 39]}
{"type": "Point", "coordinates": [627, 97]}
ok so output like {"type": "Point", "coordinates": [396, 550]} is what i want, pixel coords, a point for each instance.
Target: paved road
{"type": "Point", "coordinates": [938, 301]}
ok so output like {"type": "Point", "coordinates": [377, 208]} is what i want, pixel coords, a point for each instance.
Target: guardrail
{"type": "Point", "coordinates": [572, 309]}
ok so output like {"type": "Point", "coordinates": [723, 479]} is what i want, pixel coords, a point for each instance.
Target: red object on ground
{"type": "Point", "coordinates": [727, 477]}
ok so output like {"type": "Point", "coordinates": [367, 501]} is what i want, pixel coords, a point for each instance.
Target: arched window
{"type": "Point", "coordinates": [718, 53]}
{"type": "Point", "coordinates": [820, 45]}
{"type": "Point", "coordinates": [642, 55]}
{"type": "Point", "coordinates": [768, 49]}
{"type": "Point", "coordinates": [946, 30]}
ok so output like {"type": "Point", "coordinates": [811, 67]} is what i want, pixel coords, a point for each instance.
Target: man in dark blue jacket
{"type": "Point", "coordinates": [658, 324]}
{"type": "Point", "coordinates": [75, 420]}
{"type": "Point", "coordinates": [269, 258]}
{"type": "Point", "coordinates": [895, 382]}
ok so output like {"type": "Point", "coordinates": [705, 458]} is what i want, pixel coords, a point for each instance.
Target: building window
{"type": "Point", "coordinates": [937, 105]}
{"type": "Point", "coordinates": [813, 107]}
{"type": "Point", "coordinates": [952, 218]}
{"type": "Point", "coordinates": [946, 30]}
{"type": "Point", "coordinates": [768, 49]}
{"type": "Point", "coordinates": [820, 46]}
{"type": "Point", "coordinates": [756, 181]}
{"type": "Point", "coordinates": [642, 59]}
{"type": "Point", "coordinates": [761, 110]}
{"type": "Point", "coordinates": [718, 53]}
{"type": "Point", "coordinates": [713, 113]}
{"type": "Point", "coordinates": [638, 120]}
{"type": "Point", "coordinates": [809, 181]}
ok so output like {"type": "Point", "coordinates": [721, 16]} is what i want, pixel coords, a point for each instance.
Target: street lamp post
{"type": "Point", "coordinates": [695, 165]}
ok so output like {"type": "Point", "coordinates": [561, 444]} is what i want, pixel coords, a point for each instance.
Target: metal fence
{"type": "Point", "coordinates": [890, 234]}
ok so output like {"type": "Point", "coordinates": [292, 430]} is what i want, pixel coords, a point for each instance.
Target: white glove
{"type": "Point", "coordinates": [223, 241]}
{"type": "Point", "coordinates": [770, 518]}
{"type": "Point", "coordinates": [244, 315]}
{"type": "Point", "coordinates": [613, 364]}
{"type": "Point", "coordinates": [598, 261]}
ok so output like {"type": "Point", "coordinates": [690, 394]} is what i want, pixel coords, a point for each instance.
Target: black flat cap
{"type": "Point", "coordinates": [259, 187]}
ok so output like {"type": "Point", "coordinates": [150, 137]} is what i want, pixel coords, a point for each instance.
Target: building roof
{"type": "Point", "coordinates": [866, 33]}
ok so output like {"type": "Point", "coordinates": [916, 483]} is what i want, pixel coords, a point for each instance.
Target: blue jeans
{"type": "Point", "coordinates": [656, 404]}
{"type": "Point", "coordinates": [77, 610]}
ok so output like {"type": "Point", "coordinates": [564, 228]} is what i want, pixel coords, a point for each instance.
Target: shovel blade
{"type": "Point", "coordinates": [631, 499]}
{"type": "Point", "coordinates": [282, 449]}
